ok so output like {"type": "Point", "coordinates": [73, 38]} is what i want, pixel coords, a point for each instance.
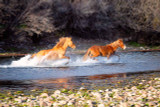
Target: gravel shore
{"type": "Point", "coordinates": [145, 94]}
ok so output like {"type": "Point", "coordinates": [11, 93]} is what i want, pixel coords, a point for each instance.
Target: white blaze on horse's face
{"type": "Point", "coordinates": [124, 47]}
{"type": "Point", "coordinates": [121, 44]}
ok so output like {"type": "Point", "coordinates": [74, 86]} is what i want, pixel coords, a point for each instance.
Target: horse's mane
{"type": "Point", "coordinates": [61, 42]}
{"type": "Point", "coordinates": [115, 42]}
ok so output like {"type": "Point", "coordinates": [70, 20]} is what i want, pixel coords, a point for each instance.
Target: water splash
{"type": "Point", "coordinates": [35, 62]}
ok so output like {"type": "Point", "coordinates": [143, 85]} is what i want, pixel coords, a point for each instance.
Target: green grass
{"type": "Point", "coordinates": [135, 44]}
{"type": "Point", "coordinates": [155, 47]}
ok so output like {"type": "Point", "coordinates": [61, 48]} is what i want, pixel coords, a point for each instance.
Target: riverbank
{"type": "Point", "coordinates": [138, 91]}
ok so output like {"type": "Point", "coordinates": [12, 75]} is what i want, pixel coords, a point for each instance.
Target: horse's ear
{"type": "Point", "coordinates": [60, 38]}
{"type": "Point", "coordinates": [120, 39]}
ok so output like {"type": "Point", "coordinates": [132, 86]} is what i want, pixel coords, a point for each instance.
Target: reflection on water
{"type": "Point", "coordinates": [100, 77]}
{"type": "Point", "coordinates": [90, 82]}
{"type": "Point", "coordinates": [69, 83]}
{"type": "Point", "coordinates": [73, 82]}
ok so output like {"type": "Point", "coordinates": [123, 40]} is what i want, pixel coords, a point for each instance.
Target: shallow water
{"type": "Point", "coordinates": [14, 72]}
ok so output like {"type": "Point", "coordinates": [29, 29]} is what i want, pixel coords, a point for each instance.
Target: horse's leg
{"type": "Point", "coordinates": [65, 57]}
{"type": "Point", "coordinates": [109, 54]}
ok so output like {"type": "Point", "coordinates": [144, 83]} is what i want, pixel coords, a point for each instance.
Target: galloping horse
{"type": "Point", "coordinates": [106, 50]}
{"type": "Point", "coordinates": [58, 51]}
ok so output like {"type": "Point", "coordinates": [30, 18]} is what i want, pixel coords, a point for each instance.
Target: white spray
{"type": "Point", "coordinates": [35, 62]}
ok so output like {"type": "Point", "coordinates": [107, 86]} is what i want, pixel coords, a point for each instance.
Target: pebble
{"type": "Point", "coordinates": [69, 103]}
{"type": "Point", "coordinates": [57, 92]}
{"type": "Point", "coordinates": [44, 95]}
{"type": "Point", "coordinates": [63, 102]}
{"type": "Point", "coordinates": [18, 100]}
{"type": "Point", "coordinates": [101, 105]}
{"type": "Point", "coordinates": [43, 104]}
{"type": "Point", "coordinates": [118, 97]}
{"type": "Point", "coordinates": [89, 102]}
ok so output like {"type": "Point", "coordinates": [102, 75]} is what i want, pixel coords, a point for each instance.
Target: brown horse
{"type": "Point", "coordinates": [106, 50]}
{"type": "Point", "coordinates": [58, 51]}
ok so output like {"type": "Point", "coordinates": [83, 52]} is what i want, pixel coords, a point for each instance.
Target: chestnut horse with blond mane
{"type": "Point", "coordinates": [106, 50]}
{"type": "Point", "coordinates": [58, 51]}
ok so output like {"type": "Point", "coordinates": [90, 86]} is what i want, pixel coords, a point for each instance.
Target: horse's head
{"type": "Point", "coordinates": [65, 42]}
{"type": "Point", "coordinates": [121, 44]}
{"type": "Point", "coordinates": [70, 43]}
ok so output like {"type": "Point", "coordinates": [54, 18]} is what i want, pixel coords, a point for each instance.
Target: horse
{"type": "Point", "coordinates": [57, 52]}
{"type": "Point", "coordinates": [105, 51]}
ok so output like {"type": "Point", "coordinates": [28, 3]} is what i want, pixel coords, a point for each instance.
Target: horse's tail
{"type": "Point", "coordinates": [85, 57]}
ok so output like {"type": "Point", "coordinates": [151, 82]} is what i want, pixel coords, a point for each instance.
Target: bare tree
{"type": "Point", "coordinates": [21, 18]}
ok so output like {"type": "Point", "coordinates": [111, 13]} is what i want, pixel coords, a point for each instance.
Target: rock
{"type": "Point", "coordinates": [151, 103]}
{"type": "Point", "coordinates": [19, 100]}
{"type": "Point", "coordinates": [134, 88]}
{"type": "Point", "coordinates": [30, 104]}
{"type": "Point", "coordinates": [49, 104]}
{"type": "Point", "coordinates": [47, 99]}
{"type": "Point", "coordinates": [24, 99]}
{"type": "Point", "coordinates": [123, 104]}
{"type": "Point", "coordinates": [101, 91]}
{"type": "Point", "coordinates": [137, 105]}
{"type": "Point", "coordinates": [57, 92]}
{"type": "Point", "coordinates": [43, 104]}
{"type": "Point", "coordinates": [81, 102]}
{"type": "Point", "coordinates": [101, 105]}
{"type": "Point", "coordinates": [71, 96]}
{"type": "Point", "coordinates": [106, 95]}
{"type": "Point", "coordinates": [96, 94]}
{"type": "Point", "coordinates": [117, 97]}
{"type": "Point", "coordinates": [28, 100]}
{"type": "Point", "coordinates": [82, 88]}
{"type": "Point", "coordinates": [157, 79]}
{"type": "Point", "coordinates": [70, 103]}
{"type": "Point", "coordinates": [142, 48]}
{"type": "Point", "coordinates": [107, 90]}
{"type": "Point", "coordinates": [55, 104]}
{"type": "Point", "coordinates": [89, 102]}
{"type": "Point", "coordinates": [115, 90]}
{"type": "Point", "coordinates": [151, 88]}
{"type": "Point", "coordinates": [157, 86]}
{"type": "Point", "coordinates": [62, 102]}
{"type": "Point", "coordinates": [43, 95]}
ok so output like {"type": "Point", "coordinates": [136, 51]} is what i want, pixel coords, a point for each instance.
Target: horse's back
{"type": "Point", "coordinates": [43, 53]}
{"type": "Point", "coordinates": [105, 50]}
{"type": "Point", "coordinates": [95, 49]}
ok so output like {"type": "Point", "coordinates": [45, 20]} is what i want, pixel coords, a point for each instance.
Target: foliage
{"type": "Point", "coordinates": [135, 44]}
{"type": "Point", "coordinates": [109, 18]}
{"type": "Point", "coordinates": [143, 18]}
{"type": "Point", "coordinates": [21, 19]}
